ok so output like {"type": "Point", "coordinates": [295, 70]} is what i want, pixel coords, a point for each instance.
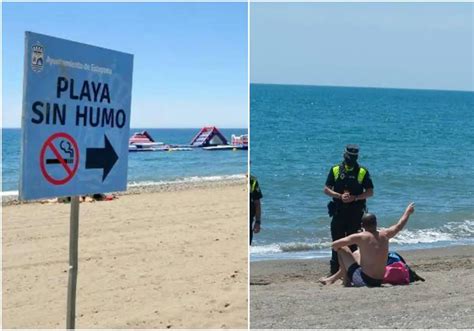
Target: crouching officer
{"type": "Point", "coordinates": [255, 207]}
{"type": "Point", "coordinates": [349, 185]}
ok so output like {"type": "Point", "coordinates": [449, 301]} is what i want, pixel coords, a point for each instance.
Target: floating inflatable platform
{"type": "Point", "coordinates": [221, 148]}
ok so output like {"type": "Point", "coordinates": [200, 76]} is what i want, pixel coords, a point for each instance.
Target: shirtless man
{"type": "Point", "coordinates": [366, 266]}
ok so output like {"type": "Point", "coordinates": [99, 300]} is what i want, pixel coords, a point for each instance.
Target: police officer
{"type": "Point", "coordinates": [349, 185]}
{"type": "Point", "coordinates": [255, 207]}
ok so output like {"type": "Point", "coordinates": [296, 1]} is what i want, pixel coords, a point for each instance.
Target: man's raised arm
{"type": "Point", "coordinates": [396, 228]}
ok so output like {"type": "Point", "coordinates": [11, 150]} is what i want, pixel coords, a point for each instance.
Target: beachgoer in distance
{"type": "Point", "coordinates": [349, 185]}
{"type": "Point", "coordinates": [255, 207]}
{"type": "Point", "coordinates": [366, 266]}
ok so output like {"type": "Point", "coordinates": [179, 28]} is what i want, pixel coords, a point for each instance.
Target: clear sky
{"type": "Point", "coordinates": [190, 59]}
{"type": "Point", "coordinates": [406, 45]}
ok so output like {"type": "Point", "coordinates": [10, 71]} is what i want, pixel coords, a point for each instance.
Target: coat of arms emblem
{"type": "Point", "coordinates": [37, 57]}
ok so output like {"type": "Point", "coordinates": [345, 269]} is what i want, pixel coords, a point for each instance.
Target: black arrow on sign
{"type": "Point", "coordinates": [101, 158]}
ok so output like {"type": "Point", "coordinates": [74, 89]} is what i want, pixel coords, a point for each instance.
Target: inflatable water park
{"type": "Point", "coordinates": [209, 138]}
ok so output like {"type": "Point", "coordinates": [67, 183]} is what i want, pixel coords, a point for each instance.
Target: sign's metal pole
{"type": "Point", "coordinates": [73, 252]}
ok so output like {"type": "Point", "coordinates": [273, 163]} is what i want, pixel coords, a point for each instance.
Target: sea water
{"type": "Point", "coordinates": [150, 168]}
{"type": "Point", "coordinates": [416, 144]}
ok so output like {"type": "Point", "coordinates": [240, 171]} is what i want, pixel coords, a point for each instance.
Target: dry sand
{"type": "Point", "coordinates": [286, 294]}
{"type": "Point", "coordinates": [176, 258]}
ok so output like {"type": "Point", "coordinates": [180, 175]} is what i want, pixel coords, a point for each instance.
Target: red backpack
{"type": "Point", "coordinates": [396, 274]}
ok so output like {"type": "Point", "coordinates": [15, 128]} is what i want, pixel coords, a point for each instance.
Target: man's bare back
{"type": "Point", "coordinates": [373, 248]}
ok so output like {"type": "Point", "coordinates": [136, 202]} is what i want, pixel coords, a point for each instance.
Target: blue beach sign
{"type": "Point", "coordinates": [75, 120]}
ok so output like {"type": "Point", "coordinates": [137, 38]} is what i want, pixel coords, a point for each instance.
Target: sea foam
{"type": "Point", "coordinates": [193, 179]}
{"type": "Point", "coordinates": [454, 232]}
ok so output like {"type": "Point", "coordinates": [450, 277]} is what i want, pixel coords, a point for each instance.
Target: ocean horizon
{"type": "Point", "coordinates": [364, 87]}
{"type": "Point", "coordinates": [149, 168]}
{"type": "Point", "coordinates": [417, 145]}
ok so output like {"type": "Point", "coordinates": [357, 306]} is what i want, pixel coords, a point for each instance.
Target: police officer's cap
{"type": "Point", "coordinates": [352, 149]}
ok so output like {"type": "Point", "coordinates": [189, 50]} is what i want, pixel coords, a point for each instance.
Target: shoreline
{"type": "Point", "coordinates": [153, 187]}
{"type": "Point", "coordinates": [326, 254]}
{"type": "Point", "coordinates": [286, 293]}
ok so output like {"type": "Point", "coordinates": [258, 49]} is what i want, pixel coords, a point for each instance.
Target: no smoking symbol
{"type": "Point", "coordinates": [59, 158]}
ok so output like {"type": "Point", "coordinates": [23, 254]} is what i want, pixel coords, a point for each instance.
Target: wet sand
{"type": "Point", "coordinates": [166, 257]}
{"type": "Point", "coordinates": [287, 294]}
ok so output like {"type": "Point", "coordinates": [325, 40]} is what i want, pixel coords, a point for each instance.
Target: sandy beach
{"type": "Point", "coordinates": [286, 294]}
{"type": "Point", "coordinates": [160, 257]}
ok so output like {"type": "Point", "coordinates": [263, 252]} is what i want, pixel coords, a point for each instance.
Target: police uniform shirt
{"type": "Point", "coordinates": [366, 181]}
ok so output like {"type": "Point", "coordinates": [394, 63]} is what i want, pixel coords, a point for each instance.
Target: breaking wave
{"type": "Point", "coordinates": [194, 179]}
{"type": "Point", "coordinates": [289, 247]}
{"type": "Point", "coordinates": [452, 232]}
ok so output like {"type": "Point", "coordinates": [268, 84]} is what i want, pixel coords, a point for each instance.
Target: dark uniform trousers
{"type": "Point", "coordinates": [345, 222]}
{"type": "Point", "coordinates": [251, 229]}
